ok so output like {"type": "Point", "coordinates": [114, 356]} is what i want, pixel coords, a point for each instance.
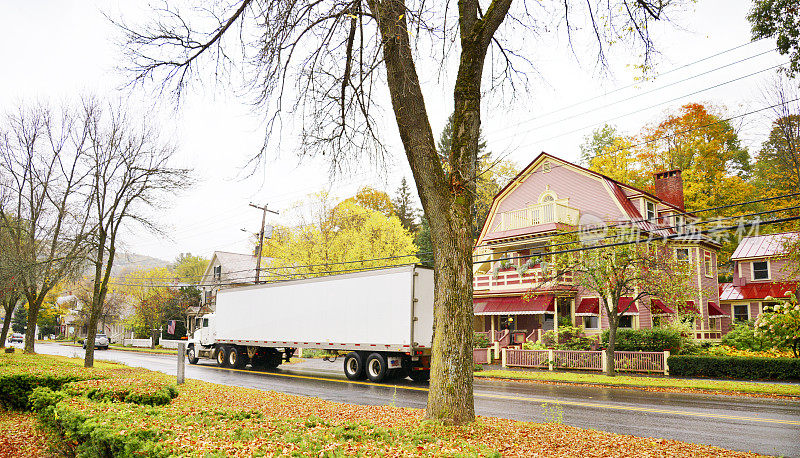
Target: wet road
{"type": "Point", "coordinates": [769, 426]}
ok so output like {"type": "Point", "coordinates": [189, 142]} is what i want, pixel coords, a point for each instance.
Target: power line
{"type": "Point", "coordinates": [629, 86]}
{"type": "Point", "coordinates": [650, 91]}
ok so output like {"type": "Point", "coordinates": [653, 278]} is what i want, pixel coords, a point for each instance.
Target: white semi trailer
{"type": "Point", "coordinates": [382, 318]}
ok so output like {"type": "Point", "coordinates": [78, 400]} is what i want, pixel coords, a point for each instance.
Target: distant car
{"type": "Point", "coordinates": [100, 342]}
{"type": "Point", "coordinates": [16, 337]}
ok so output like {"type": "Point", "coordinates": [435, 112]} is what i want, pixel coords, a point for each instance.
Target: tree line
{"type": "Point", "coordinates": [73, 179]}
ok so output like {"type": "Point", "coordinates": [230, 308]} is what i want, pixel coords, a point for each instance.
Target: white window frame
{"type": "Point", "coordinates": [678, 223]}
{"type": "Point", "coordinates": [708, 263]}
{"type": "Point", "coordinates": [217, 273]}
{"type": "Point", "coordinates": [647, 212]}
{"type": "Point", "coordinates": [753, 271]}
{"type": "Point", "coordinates": [596, 317]}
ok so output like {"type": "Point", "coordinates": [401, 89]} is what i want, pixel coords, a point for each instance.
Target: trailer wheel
{"type": "Point", "coordinates": [191, 355]}
{"type": "Point", "coordinates": [376, 367]}
{"type": "Point", "coordinates": [354, 366]}
{"type": "Point", "coordinates": [222, 356]}
{"type": "Point", "coordinates": [237, 357]}
{"type": "Point", "coordinates": [420, 376]}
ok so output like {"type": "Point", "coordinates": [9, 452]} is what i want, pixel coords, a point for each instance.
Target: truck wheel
{"type": "Point", "coordinates": [354, 366]}
{"type": "Point", "coordinates": [191, 355]}
{"type": "Point", "coordinates": [237, 357]}
{"type": "Point", "coordinates": [222, 356]}
{"type": "Point", "coordinates": [376, 367]}
{"type": "Point", "coordinates": [420, 376]}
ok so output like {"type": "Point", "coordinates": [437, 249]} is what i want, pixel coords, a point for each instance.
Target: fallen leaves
{"type": "Point", "coordinates": [21, 437]}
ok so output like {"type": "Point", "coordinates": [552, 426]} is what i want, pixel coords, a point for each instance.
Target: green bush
{"type": "Point", "coordinates": [480, 341]}
{"type": "Point", "coordinates": [135, 391]}
{"type": "Point", "coordinates": [735, 367]}
{"type": "Point", "coordinates": [568, 338]}
{"type": "Point", "coordinates": [743, 336]}
{"type": "Point", "coordinates": [15, 389]}
{"type": "Point", "coordinates": [655, 339]}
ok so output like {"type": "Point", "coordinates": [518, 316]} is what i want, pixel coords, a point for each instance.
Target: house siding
{"type": "Point", "coordinates": [588, 194]}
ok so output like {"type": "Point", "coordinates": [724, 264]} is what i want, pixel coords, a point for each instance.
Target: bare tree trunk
{"type": "Point", "coordinates": [612, 342]}
{"type": "Point", "coordinates": [97, 302]}
{"type": "Point", "coordinates": [34, 304]}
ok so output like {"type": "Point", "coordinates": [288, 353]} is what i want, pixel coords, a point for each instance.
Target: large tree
{"type": "Point", "coordinates": [44, 190]}
{"type": "Point", "coordinates": [130, 171]}
{"type": "Point", "coordinates": [779, 19]}
{"type": "Point", "coordinates": [339, 52]}
{"type": "Point", "coordinates": [613, 269]}
{"type": "Point", "coordinates": [334, 238]}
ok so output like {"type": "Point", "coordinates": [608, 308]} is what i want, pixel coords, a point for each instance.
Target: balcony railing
{"type": "Point", "coordinates": [534, 215]}
{"type": "Point", "coordinates": [510, 278]}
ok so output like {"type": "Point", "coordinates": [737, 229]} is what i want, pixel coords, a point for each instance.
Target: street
{"type": "Point", "coordinates": [768, 426]}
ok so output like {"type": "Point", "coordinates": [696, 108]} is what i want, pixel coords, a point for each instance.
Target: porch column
{"type": "Point", "coordinates": [555, 319]}
{"type": "Point", "coordinates": [491, 319]}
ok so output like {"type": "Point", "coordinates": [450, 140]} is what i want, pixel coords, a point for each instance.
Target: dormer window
{"type": "Point", "coordinates": [650, 210]}
{"type": "Point", "coordinates": [760, 270]}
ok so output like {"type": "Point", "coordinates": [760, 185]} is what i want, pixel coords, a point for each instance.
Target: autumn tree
{"type": "Point", "coordinates": [151, 298]}
{"type": "Point", "coordinates": [340, 54]}
{"type": "Point", "coordinates": [373, 199]}
{"type": "Point", "coordinates": [44, 190]}
{"type": "Point", "coordinates": [335, 238]}
{"type": "Point", "coordinates": [613, 270]}
{"type": "Point", "coordinates": [779, 19]}
{"type": "Point", "coordinates": [706, 148]}
{"type": "Point", "coordinates": [609, 152]}
{"type": "Point", "coordinates": [189, 268]}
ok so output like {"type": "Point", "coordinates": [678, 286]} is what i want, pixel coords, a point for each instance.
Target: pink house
{"type": "Point", "coordinates": [551, 194]}
{"type": "Point", "coordinates": [761, 273]}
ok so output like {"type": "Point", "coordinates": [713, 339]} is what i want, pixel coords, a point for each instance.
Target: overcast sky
{"type": "Point", "coordinates": [57, 49]}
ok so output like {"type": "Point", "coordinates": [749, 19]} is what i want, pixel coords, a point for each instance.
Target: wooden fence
{"type": "Point", "coordinates": [625, 361]}
{"type": "Point", "coordinates": [482, 355]}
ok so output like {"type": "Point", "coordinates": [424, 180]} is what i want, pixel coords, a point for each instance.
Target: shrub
{"type": "Point", "coordinates": [568, 338]}
{"type": "Point", "coordinates": [135, 391]}
{"type": "Point", "coordinates": [735, 367]}
{"type": "Point", "coordinates": [743, 336]}
{"type": "Point", "coordinates": [480, 340]}
{"type": "Point", "coordinates": [656, 339]}
{"type": "Point", "coordinates": [15, 389]}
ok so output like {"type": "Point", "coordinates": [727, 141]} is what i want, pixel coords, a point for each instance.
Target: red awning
{"type": "Point", "coordinates": [514, 305]}
{"type": "Point", "coordinates": [688, 308]}
{"type": "Point", "coordinates": [714, 311]}
{"type": "Point", "coordinates": [627, 306]}
{"type": "Point", "coordinates": [659, 308]}
{"type": "Point", "coordinates": [588, 306]}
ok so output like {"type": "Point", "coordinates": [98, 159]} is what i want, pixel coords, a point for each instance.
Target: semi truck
{"type": "Point", "coordinates": [380, 320]}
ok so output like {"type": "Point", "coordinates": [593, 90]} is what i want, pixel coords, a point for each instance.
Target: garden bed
{"type": "Point", "coordinates": [208, 419]}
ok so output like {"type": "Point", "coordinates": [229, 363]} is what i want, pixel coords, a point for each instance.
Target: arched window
{"type": "Point", "coordinates": [547, 196]}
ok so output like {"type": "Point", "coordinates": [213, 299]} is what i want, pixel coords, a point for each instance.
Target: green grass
{"type": "Point", "coordinates": [160, 351]}
{"type": "Point", "coordinates": [648, 382]}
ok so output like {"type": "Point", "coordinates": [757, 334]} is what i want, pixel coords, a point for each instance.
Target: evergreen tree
{"type": "Point", "coordinates": [404, 207]}
{"type": "Point", "coordinates": [422, 239]}
{"type": "Point", "coordinates": [20, 319]}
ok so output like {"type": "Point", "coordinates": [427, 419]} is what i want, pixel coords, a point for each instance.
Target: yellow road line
{"type": "Point", "coordinates": [531, 399]}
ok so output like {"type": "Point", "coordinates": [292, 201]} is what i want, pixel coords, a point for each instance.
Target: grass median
{"type": "Point", "coordinates": [667, 383]}
{"type": "Point", "coordinates": [115, 410]}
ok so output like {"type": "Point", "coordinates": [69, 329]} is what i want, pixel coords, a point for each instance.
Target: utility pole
{"type": "Point", "coordinates": [264, 209]}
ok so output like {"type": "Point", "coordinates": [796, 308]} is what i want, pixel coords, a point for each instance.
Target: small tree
{"type": "Point", "coordinates": [782, 322]}
{"type": "Point", "coordinates": [614, 270]}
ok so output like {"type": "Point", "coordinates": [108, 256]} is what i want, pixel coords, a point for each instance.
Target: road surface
{"type": "Point", "coordinates": [768, 426]}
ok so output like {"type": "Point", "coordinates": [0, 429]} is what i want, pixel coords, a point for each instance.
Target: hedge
{"type": "Point", "coordinates": [655, 339]}
{"type": "Point", "coordinates": [735, 367]}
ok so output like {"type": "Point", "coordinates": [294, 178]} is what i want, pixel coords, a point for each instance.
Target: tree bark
{"type": "Point", "coordinates": [613, 322]}
{"type": "Point", "coordinates": [34, 304]}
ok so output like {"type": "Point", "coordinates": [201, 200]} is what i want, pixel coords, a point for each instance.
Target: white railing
{"type": "Point", "coordinates": [624, 361]}
{"type": "Point", "coordinates": [171, 344]}
{"type": "Point", "coordinates": [534, 215]}
{"type": "Point", "coordinates": [140, 343]}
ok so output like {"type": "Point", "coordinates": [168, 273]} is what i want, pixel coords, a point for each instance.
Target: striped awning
{"type": "Point", "coordinates": [514, 305]}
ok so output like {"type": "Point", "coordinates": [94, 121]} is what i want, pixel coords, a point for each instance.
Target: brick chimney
{"type": "Point", "coordinates": [669, 187]}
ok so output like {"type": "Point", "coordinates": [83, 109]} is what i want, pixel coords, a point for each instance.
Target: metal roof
{"type": "Point", "coordinates": [763, 246]}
